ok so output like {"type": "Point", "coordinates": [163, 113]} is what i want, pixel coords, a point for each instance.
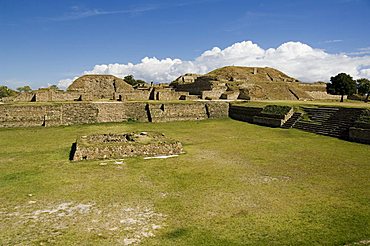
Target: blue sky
{"type": "Point", "coordinates": [45, 41]}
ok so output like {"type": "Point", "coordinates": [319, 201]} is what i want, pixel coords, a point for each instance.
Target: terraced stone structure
{"type": "Point", "coordinates": [99, 86]}
{"type": "Point", "coordinates": [270, 115]}
{"type": "Point", "coordinates": [115, 146]}
{"type": "Point", "coordinates": [250, 83]}
{"type": "Point", "coordinates": [340, 122]}
{"type": "Point", "coordinates": [230, 83]}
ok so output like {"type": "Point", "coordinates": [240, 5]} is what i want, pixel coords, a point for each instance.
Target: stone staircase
{"type": "Point", "coordinates": [292, 120]}
{"type": "Point", "coordinates": [329, 121]}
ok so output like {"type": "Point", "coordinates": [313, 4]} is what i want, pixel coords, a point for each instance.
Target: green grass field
{"type": "Point", "coordinates": [237, 184]}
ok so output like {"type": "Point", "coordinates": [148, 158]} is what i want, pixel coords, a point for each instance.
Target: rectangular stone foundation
{"type": "Point", "coordinates": [115, 146]}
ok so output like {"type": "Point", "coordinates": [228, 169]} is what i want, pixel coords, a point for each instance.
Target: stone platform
{"type": "Point", "coordinates": [115, 146]}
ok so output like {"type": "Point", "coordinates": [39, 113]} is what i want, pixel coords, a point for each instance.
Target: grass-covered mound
{"type": "Point", "coordinates": [237, 184]}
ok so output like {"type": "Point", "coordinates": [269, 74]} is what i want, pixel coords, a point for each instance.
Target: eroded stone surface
{"type": "Point", "coordinates": [37, 224]}
{"type": "Point", "coordinates": [108, 146]}
{"type": "Point", "coordinates": [99, 86]}
{"type": "Point", "coordinates": [251, 83]}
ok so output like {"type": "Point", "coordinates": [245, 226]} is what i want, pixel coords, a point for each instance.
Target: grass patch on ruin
{"type": "Point", "coordinates": [237, 184]}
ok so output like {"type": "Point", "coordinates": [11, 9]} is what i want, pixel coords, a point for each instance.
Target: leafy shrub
{"type": "Point", "coordinates": [132, 81]}
{"type": "Point", "coordinates": [6, 92]}
{"type": "Point", "coordinates": [131, 120]}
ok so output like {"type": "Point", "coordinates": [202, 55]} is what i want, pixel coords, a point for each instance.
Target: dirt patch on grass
{"type": "Point", "coordinates": [265, 179]}
{"type": "Point", "coordinates": [362, 243]}
{"type": "Point", "coordinates": [120, 225]}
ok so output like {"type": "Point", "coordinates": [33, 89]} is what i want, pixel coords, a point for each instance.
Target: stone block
{"type": "Point", "coordinates": [267, 121]}
{"type": "Point", "coordinates": [359, 135]}
{"type": "Point", "coordinates": [115, 146]}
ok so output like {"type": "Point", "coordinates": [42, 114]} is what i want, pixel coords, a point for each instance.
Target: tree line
{"type": "Point", "coordinates": [7, 92]}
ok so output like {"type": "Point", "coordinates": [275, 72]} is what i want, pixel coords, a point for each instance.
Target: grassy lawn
{"type": "Point", "coordinates": [237, 184]}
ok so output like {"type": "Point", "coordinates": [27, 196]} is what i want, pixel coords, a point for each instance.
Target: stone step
{"type": "Point", "coordinates": [322, 131]}
{"type": "Point", "coordinates": [321, 109]}
{"type": "Point", "coordinates": [292, 120]}
{"type": "Point", "coordinates": [333, 122]}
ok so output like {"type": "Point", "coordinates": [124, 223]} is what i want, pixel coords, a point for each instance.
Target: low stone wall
{"type": "Point", "coordinates": [360, 135]}
{"type": "Point", "coordinates": [187, 111]}
{"type": "Point", "coordinates": [121, 112]}
{"type": "Point", "coordinates": [265, 121]}
{"type": "Point", "coordinates": [45, 95]}
{"type": "Point", "coordinates": [165, 95]}
{"type": "Point", "coordinates": [77, 113]}
{"type": "Point", "coordinates": [255, 115]}
{"type": "Point", "coordinates": [230, 95]}
{"type": "Point", "coordinates": [213, 94]}
{"type": "Point", "coordinates": [17, 115]}
{"type": "Point", "coordinates": [137, 95]}
{"type": "Point", "coordinates": [27, 116]}
{"type": "Point", "coordinates": [243, 113]}
{"type": "Point", "coordinates": [217, 110]}
{"type": "Point", "coordinates": [272, 120]}
{"type": "Point", "coordinates": [321, 95]}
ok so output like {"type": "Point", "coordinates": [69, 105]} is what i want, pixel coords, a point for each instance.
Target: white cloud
{"type": "Point", "coordinates": [333, 41]}
{"type": "Point", "coordinates": [365, 73]}
{"type": "Point", "coordinates": [64, 83]}
{"type": "Point", "coordinates": [360, 51]}
{"type": "Point", "coordinates": [296, 59]}
{"type": "Point", "coordinates": [77, 13]}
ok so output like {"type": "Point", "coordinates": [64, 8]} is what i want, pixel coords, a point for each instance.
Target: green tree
{"type": "Point", "coordinates": [129, 79]}
{"type": "Point", "coordinates": [364, 88]}
{"type": "Point", "coordinates": [139, 81]}
{"type": "Point", "coordinates": [25, 88]}
{"type": "Point", "coordinates": [341, 84]}
{"type": "Point", "coordinates": [6, 92]}
{"type": "Point", "coordinates": [54, 87]}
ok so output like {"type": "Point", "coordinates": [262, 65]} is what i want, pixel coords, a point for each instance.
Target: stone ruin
{"type": "Point", "coordinates": [95, 87]}
{"type": "Point", "coordinates": [115, 146]}
{"type": "Point", "coordinates": [227, 83]}
{"type": "Point", "coordinates": [249, 83]}
{"type": "Point", "coordinates": [99, 86]}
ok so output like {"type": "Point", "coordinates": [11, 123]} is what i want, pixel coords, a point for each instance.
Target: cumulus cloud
{"type": "Point", "coordinates": [64, 83]}
{"type": "Point", "coordinates": [296, 59]}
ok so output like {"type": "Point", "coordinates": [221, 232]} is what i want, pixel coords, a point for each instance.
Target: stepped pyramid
{"type": "Point", "coordinates": [256, 83]}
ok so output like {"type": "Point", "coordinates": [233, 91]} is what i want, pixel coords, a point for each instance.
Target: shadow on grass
{"type": "Point", "coordinates": [73, 151]}
{"type": "Point", "coordinates": [177, 233]}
